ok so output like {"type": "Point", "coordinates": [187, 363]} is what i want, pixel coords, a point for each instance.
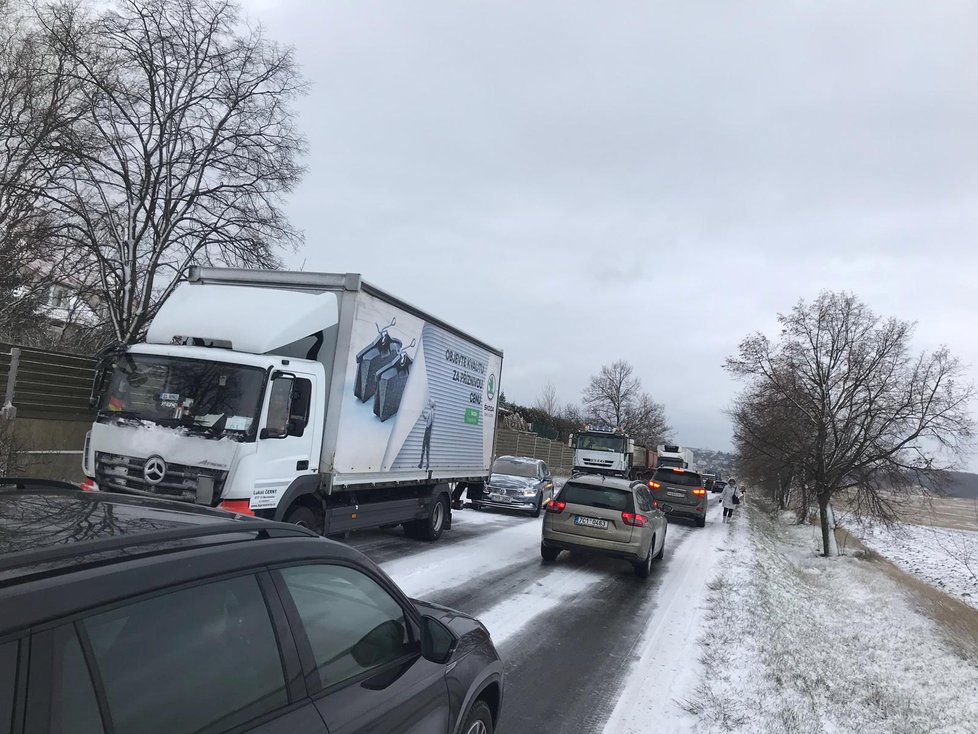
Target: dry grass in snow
{"type": "Point", "coordinates": [800, 643]}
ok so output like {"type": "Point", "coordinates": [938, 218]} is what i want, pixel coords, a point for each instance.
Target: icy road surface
{"type": "Point", "coordinates": [576, 635]}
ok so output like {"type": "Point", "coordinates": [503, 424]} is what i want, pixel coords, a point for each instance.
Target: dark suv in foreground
{"type": "Point", "coordinates": [132, 615]}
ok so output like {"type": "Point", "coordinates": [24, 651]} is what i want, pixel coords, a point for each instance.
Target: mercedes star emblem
{"type": "Point", "coordinates": [154, 470]}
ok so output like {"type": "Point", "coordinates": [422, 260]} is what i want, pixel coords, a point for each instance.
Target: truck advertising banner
{"type": "Point", "coordinates": [417, 398]}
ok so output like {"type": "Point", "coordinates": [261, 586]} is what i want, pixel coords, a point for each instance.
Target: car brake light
{"type": "Point", "coordinates": [242, 507]}
{"type": "Point", "coordinates": [89, 485]}
{"type": "Point", "coordinates": [679, 471]}
{"type": "Point", "coordinates": [556, 507]}
{"type": "Point", "coordinates": [654, 485]}
{"type": "Point", "coordinates": [634, 519]}
{"type": "Point", "coordinates": [699, 491]}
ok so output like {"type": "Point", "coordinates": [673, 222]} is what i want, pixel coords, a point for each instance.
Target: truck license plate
{"type": "Point", "coordinates": [590, 522]}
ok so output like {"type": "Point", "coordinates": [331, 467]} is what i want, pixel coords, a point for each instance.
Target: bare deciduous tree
{"type": "Point", "coordinates": [615, 397]}
{"type": "Point", "coordinates": [865, 416]}
{"type": "Point", "coordinates": [186, 144]}
{"type": "Point", "coordinates": [548, 401]}
{"type": "Point", "coordinates": [36, 107]}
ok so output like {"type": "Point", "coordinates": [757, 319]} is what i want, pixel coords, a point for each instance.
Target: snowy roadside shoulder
{"type": "Point", "coordinates": [800, 643]}
{"type": "Point", "coordinates": [946, 559]}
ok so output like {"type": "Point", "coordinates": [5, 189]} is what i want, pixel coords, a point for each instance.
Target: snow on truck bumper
{"type": "Point", "coordinates": [159, 462]}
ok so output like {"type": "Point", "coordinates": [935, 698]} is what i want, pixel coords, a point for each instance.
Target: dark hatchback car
{"type": "Point", "coordinates": [680, 493]}
{"type": "Point", "coordinates": [132, 615]}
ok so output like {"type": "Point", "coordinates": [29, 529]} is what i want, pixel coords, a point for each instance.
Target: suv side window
{"type": "Point", "coordinates": [352, 624]}
{"type": "Point", "coordinates": [8, 685]}
{"type": "Point", "coordinates": [74, 706]}
{"type": "Point", "coordinates": [201, 658]}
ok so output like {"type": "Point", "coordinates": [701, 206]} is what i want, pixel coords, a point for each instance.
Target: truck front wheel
{"type": "Point", "coordinates": [306, 517]}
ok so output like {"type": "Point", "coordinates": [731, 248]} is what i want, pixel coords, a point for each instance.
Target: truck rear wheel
{"type": "Point", "coordinates": [431, 527]}
{"type": "Point", "coordinates": [306, 517]}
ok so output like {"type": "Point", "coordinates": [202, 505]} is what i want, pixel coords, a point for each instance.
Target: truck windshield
{"type": "Point", "coordinates": [214, 398]}
{"type": "Point", "coordinates": [590, 442]}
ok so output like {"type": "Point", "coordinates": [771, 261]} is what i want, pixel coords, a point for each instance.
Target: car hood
{"type": "Point", "coordinates": [470, 631]}
{"type": "Point", "coordinates": [510, 481]}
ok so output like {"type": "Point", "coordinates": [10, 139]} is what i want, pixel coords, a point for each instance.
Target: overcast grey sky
{"type": "Point", "coordinates": [579, 182]}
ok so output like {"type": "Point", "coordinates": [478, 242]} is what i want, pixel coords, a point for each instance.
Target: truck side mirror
{"type": "Point", "coordinates": [279, 407]}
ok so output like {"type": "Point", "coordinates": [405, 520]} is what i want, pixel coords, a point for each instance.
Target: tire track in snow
{"type": "Point", "coordinates": [446, 566]}
{"type": "Point", "coordinates": [564, 674]}
{"type": "Point", "coordinates": [383, 546]}
{"type": "Point", "coordinates": [665, 659]}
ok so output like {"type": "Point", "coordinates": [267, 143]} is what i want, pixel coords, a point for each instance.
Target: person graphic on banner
{"type": "Point", "coordinates": [428, 414]}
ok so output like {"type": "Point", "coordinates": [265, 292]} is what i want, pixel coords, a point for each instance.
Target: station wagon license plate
{"type": "Point", "coordinates": [676, 494]}
{"type": "Point", "coordinates": [498, 498]}
{"type": "Point", "coordinates": [590, 522]}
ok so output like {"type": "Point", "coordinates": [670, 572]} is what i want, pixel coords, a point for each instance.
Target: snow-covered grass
{"type": "Point", "coordinates": [665, 663]}
{"type": "Point", "coordinates": [800, 643]}
{"type": "Point", "coordinates": [947, 559]}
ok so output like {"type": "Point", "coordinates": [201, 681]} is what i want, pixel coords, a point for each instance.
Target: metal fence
{"type": "Point", "coordinates": [44, 411]}
{"type": "Point", "coordinates": [559, 457]}
{"type": "Point", "coordinates": [46, 385]}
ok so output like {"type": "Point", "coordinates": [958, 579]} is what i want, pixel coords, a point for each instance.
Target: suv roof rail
{"type": "Point", "coordinates": [100, 545]}
{"type": "Point", "coordinates": [27, 484]}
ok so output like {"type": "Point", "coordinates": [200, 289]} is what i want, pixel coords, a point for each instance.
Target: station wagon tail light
{"type": "Point", "coordinates": [556, 507]}
{"type": "Point", "coordinates": [699, 491]}
{"type": "Point", "coordinates": [654, 485]}
{"type": "Point", "coordinates": [634, 519]}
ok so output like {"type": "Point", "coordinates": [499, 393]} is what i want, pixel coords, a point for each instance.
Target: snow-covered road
{"type": "Point", "coordinates": [577, 634]}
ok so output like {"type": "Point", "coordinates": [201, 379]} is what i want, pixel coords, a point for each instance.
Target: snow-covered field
{"type": "Point", "coordinates": [799, 643]}
{"type": "Point", "coordinates": [947, 559]}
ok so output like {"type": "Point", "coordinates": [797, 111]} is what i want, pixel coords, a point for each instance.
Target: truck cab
{"type": "Point", "coordinates": [205, 425]}
{"type": "Point", "coordinates": [602, 450]}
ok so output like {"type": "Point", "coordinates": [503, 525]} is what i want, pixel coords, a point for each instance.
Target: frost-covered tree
{"type": "Point", "coordinates": [864, 414]}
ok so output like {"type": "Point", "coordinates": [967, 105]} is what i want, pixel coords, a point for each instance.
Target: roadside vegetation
{"type": "Point", "coordinates": [798, 643]}
{"type": "Point", "coordinates": [839, 405]}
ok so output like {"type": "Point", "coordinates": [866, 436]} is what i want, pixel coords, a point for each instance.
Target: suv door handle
{"type": "Point", "coordinates": [302, 465]}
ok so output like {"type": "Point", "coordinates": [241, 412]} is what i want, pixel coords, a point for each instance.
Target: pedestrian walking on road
{"type": "Point", "coordinates": [730, 499]}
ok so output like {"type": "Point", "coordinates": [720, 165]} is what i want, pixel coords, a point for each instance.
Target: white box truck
{"type": "Point", "coordinates": [677, 457]}
{"type": "Point", "coordinates": [313, 398]}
